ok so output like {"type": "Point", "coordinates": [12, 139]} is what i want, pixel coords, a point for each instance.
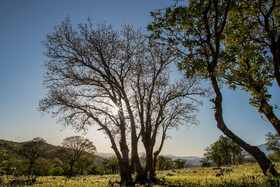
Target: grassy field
{"type": "Point", "coordinates": [243, 175]}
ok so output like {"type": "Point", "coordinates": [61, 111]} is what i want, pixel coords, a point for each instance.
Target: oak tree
{"type": "Point", "coordinates": [223, 152]}
{"type": "Point", "coordinates": [196, 33]}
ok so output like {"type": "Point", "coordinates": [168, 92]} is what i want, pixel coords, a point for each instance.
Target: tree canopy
{"type": "Point", "coordinates": [196, 33]}
{"type": "Point", "coordinates": [74, 148]}
{"type": "Point", "coordinates": [223, 152]}
{"type": "Point", "coordinates": [252, 38]}
{"type": "Point", "coordinates": [273, 144]}
{"type": "Point", "coordinates": [120, 82]}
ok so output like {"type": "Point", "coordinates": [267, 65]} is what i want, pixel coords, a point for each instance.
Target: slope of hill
{"type": "Point", "coordinates": [190, 160]}
{"type": "Point", "coordinates": [7, 150]}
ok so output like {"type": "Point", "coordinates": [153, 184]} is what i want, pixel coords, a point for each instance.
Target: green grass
{"type": "Point", "coordinates": [243, 175]}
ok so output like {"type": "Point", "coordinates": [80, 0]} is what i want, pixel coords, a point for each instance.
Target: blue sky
{"type": "Point", "coordinates": [24, 24]}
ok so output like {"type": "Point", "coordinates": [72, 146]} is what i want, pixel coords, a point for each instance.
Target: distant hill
{"type": "Point", "coordinates": [7, 150]}
{"type": "Point", "coordinates": [190, 160]}
{"type": "Point", "coordinates": [105, 155]}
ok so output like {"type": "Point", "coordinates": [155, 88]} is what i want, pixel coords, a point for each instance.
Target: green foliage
{"type": "Point", "coordinates": [250, 44]}
{"type": "Point", "coordinates": [223, 152]}
{"type": "Point", "coordinates": [179, 164]}
{"type": "Point", "coordinates": [43, 167]}
{"type": "Point", "coordinates": [75, 149]}
{"type": "Point", "coordinates": [7, 156]}
{"type": "Point", "coordinates": [57, 171]}
{"type": "Point", "coordinates": [84, 164]}
{"type": "Point", "coordinates": [14, 166]}
{"type": "Point", "coordinates": [205, 163]}
{"type": "Point", "coordinates": [31, 151]}
{"type": "Point", "coordinates": [183, 30]}
{"type": "Point", "coordinates": [108, 166]}
{"type": "Point", "coordinates": [166, 163]}
{"type": "Point", "coordinates": [15, 159]}
{"type": "Point", "coordinates": [273, 144]}
{"type": "Point", "coordinates": [247, 48]}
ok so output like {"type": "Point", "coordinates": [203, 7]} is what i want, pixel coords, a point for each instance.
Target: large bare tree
{"type": "Point", "coordinates": [116, 80]}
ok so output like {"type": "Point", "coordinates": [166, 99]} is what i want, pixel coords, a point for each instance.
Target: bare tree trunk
{"type": "Point", "coordinates": [135, 160]}
{"type": "Point", "coordinates": [149, 162]}
{"type": "Point", "coordinates": [70, 173]}
{"type": "Point", "coordinates": [263, 161]}
{"type": "Point", "coordinates": [147, 144]}
{"type": "Point", "coordinates": [30, 167]}
{"type": "Point", "coordinates": [125, 174]}
{"type": "Point", "coordinates": [156, 153]}
{"type": "Point", "coordinates": [123, 160]}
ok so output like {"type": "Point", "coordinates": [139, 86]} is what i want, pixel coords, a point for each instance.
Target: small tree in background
{"type": "Point", "coordinates": [205, 163]}
{"type": "Point", "coordinates": [43, 167]}
{"type": "Point", "coordinates": [223, 152]}
{"type": "Point", "coordinates": [85, 163]}
{"type": "Point", "coordinates": [109, 166]}
{"type": "Point", "coordinates": [180, 163]}
{"type": "Point", "coordinates": [31, 151]}
{"type": "Point", "coordinates": [273, 144]}
{"type": "Point", "coordinates": [164, 163]}
{"type": "Point", "coordinates": [74, 148]}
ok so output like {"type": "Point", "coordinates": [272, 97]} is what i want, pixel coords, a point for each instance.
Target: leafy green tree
{"type": "Point", "coordinates": [109, 166]}
{"type": "Point", "coordinates": [205, 163]}
{"type": "Point", "coordinates": [57, 170]}
{"type": "Point", "coordinates": [43, 167]}
{"type": "Point", "coordinates": [14, 166]}
{"type": "Point", "coordinates": [74, 148]}
{"type": "Point", "coordinates": [85, 163]}
{"type": "Point", "coordinates": [196, 34]}
{"type": "Point", "coordinates": [179, 163]}
{"type": "Point", "coordinates": [253, 39]}
{"type": "Point", "coordinates": [273, 144]}
{"type": "Point", "coordinates": [31, 151]}
{"type": "Point", "coordinates": [223, 152]}
{"type": "Point", "coordinates": [164, 163]}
